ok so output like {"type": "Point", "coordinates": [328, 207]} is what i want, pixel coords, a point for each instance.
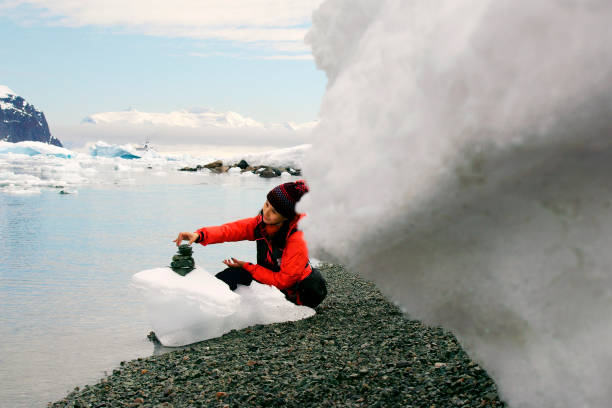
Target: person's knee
{"type": "Point", "coordinates": [313, 289]}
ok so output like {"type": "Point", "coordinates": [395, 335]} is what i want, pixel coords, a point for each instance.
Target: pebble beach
{"type": "Point", "coordinates": [359, 350]}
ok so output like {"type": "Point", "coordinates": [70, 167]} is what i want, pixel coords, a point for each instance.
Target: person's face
{"type": "Point", "coordinates": [270, 215]}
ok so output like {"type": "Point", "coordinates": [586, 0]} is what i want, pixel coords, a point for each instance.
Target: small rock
{"type": "Point", "coordinates": [220, 169]}
{"type": "Point", "coordinates": [490, 396]}
{"type": "Point", "coordinates": [457, 401]}
{"type": "Point", "coordinates": [243, 164]}
{"type": "Point", "coordinates": [294, 172]}
{"type": "Point", "coordinates": [269, 173]}
{"type": "Point", "coordinates": [185, 249]}
{"type": "Point", "coordinates": [214, 164]}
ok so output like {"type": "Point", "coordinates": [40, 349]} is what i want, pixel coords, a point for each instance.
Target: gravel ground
{"type": "Point", "coordinates": [357, 351]}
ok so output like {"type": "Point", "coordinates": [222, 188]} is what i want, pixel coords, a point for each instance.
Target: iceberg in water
{"type": "Point", "coordinates": [102, 149]}
{"type": "Point", "coordinates": [198, 306]}
{"type": "Point", "coordinates": [34, 149]}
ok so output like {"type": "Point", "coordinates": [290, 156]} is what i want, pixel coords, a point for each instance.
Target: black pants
{"type": "Point", "coordinates": [311, 291]}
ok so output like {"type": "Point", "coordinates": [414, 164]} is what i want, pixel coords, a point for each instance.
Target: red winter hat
{"type": "Point", "coordinates": [284, 197]}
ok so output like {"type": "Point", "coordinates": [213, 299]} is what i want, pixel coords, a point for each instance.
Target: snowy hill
{"type": "Point", "coordinates": [21, 121]}
{"type": "Point", "coordinates": [193, 118]}
{"type": "Point", "coordinates": [5, 91]}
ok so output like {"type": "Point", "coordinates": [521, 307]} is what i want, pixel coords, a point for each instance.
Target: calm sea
{"type": "Point", "coordinates": [68, 313]}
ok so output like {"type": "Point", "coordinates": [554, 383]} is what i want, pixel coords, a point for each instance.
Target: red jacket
{"type": "Point", "coordinates": [280, 267]}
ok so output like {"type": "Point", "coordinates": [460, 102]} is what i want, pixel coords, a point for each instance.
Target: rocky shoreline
{"type": "Point", "coordinates": [261, 170]}
{"type": "Point", "coordinates": [357, 351]}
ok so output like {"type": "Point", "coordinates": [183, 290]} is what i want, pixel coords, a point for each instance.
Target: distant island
{"type": "Point", "coordinates": [20, 121]}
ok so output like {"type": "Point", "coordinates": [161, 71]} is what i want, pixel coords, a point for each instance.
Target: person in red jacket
{"type": "Point", "coordinates": [282, 254]}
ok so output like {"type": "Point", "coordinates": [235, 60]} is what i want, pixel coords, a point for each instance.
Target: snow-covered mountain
{"type": "Point", "coordinates": [194, 118]}
{"type": "Point", "coordinates": [21, 121]}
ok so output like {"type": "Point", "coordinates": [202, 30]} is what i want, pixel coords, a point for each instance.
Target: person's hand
{"type": "Point", "coordinates": [234, 263]}
{"type": "Point", "coordinates": [185, 236]}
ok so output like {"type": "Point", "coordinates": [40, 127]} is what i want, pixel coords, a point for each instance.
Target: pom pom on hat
{"type": "Point", "coordinates": [284, 197]}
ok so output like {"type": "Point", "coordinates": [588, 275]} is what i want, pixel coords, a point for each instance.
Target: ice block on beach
{"type": "Point", "coordinates": [198, 306]}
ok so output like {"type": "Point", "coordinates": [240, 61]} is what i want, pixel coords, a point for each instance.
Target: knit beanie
{"type": "Point", "coordinates": [284, 197]}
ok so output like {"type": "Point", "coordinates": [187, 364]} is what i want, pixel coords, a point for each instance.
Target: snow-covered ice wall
{"type": "Point", "coordinates": [463, 162]}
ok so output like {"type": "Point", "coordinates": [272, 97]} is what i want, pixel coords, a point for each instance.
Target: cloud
{"type": "Point", "coordinates": [181, 138]}
{"type": "Point", "coordinates": [192, 118]}
{"type": "Point", "coordinates": [187, 127]}
{"type": "Point", "coordinates": [276, 24]}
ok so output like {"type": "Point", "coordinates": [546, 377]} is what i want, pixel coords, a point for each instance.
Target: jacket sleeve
{"type": "Point", "coordinates": [240, 230]}
{"type": "Point", "coordinates": [293, 267]}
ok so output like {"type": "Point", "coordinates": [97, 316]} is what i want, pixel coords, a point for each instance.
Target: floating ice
{"type": "Point", "coordinates": [102, 149]}
{"type": "Point", "coordinates": [198, 306]}
{"type": "Point", "coordinates": [481, 199]}
{"type": "Point", "coordinates": [18, 190]}
{"type": "Point", "coordinates": [33, 149]}
{"type": "Point", "coordinates": [34, 165]}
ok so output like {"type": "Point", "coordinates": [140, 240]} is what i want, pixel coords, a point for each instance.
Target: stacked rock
{"type": "Point", "coordinates": [183, 263]}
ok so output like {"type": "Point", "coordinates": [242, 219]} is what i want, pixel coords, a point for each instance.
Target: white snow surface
{"type": "Point", "coordinates": [481, 199]}
{"type": "Point", "coordinates": [193, 118]}
{"type": "Point", "coordinates": [198, 306]}
{"type": "Point", "coordinates": [5, 91]}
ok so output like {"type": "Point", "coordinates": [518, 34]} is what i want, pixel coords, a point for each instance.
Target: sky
{"type": "Point", "coordinates": [75, 59]}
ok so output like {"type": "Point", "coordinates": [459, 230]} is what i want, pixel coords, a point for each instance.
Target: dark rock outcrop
{"type": "Point", "coordinates": [20, 121]}
{"type": "Point", "coordinates": [262, 171]}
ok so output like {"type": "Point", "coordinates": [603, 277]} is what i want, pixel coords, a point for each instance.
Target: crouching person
{"type": "Point", "coordinates": [282, 253]}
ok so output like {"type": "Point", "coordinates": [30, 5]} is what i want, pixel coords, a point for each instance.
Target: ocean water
{"type": "Point", "coordinates": [69, 314]}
